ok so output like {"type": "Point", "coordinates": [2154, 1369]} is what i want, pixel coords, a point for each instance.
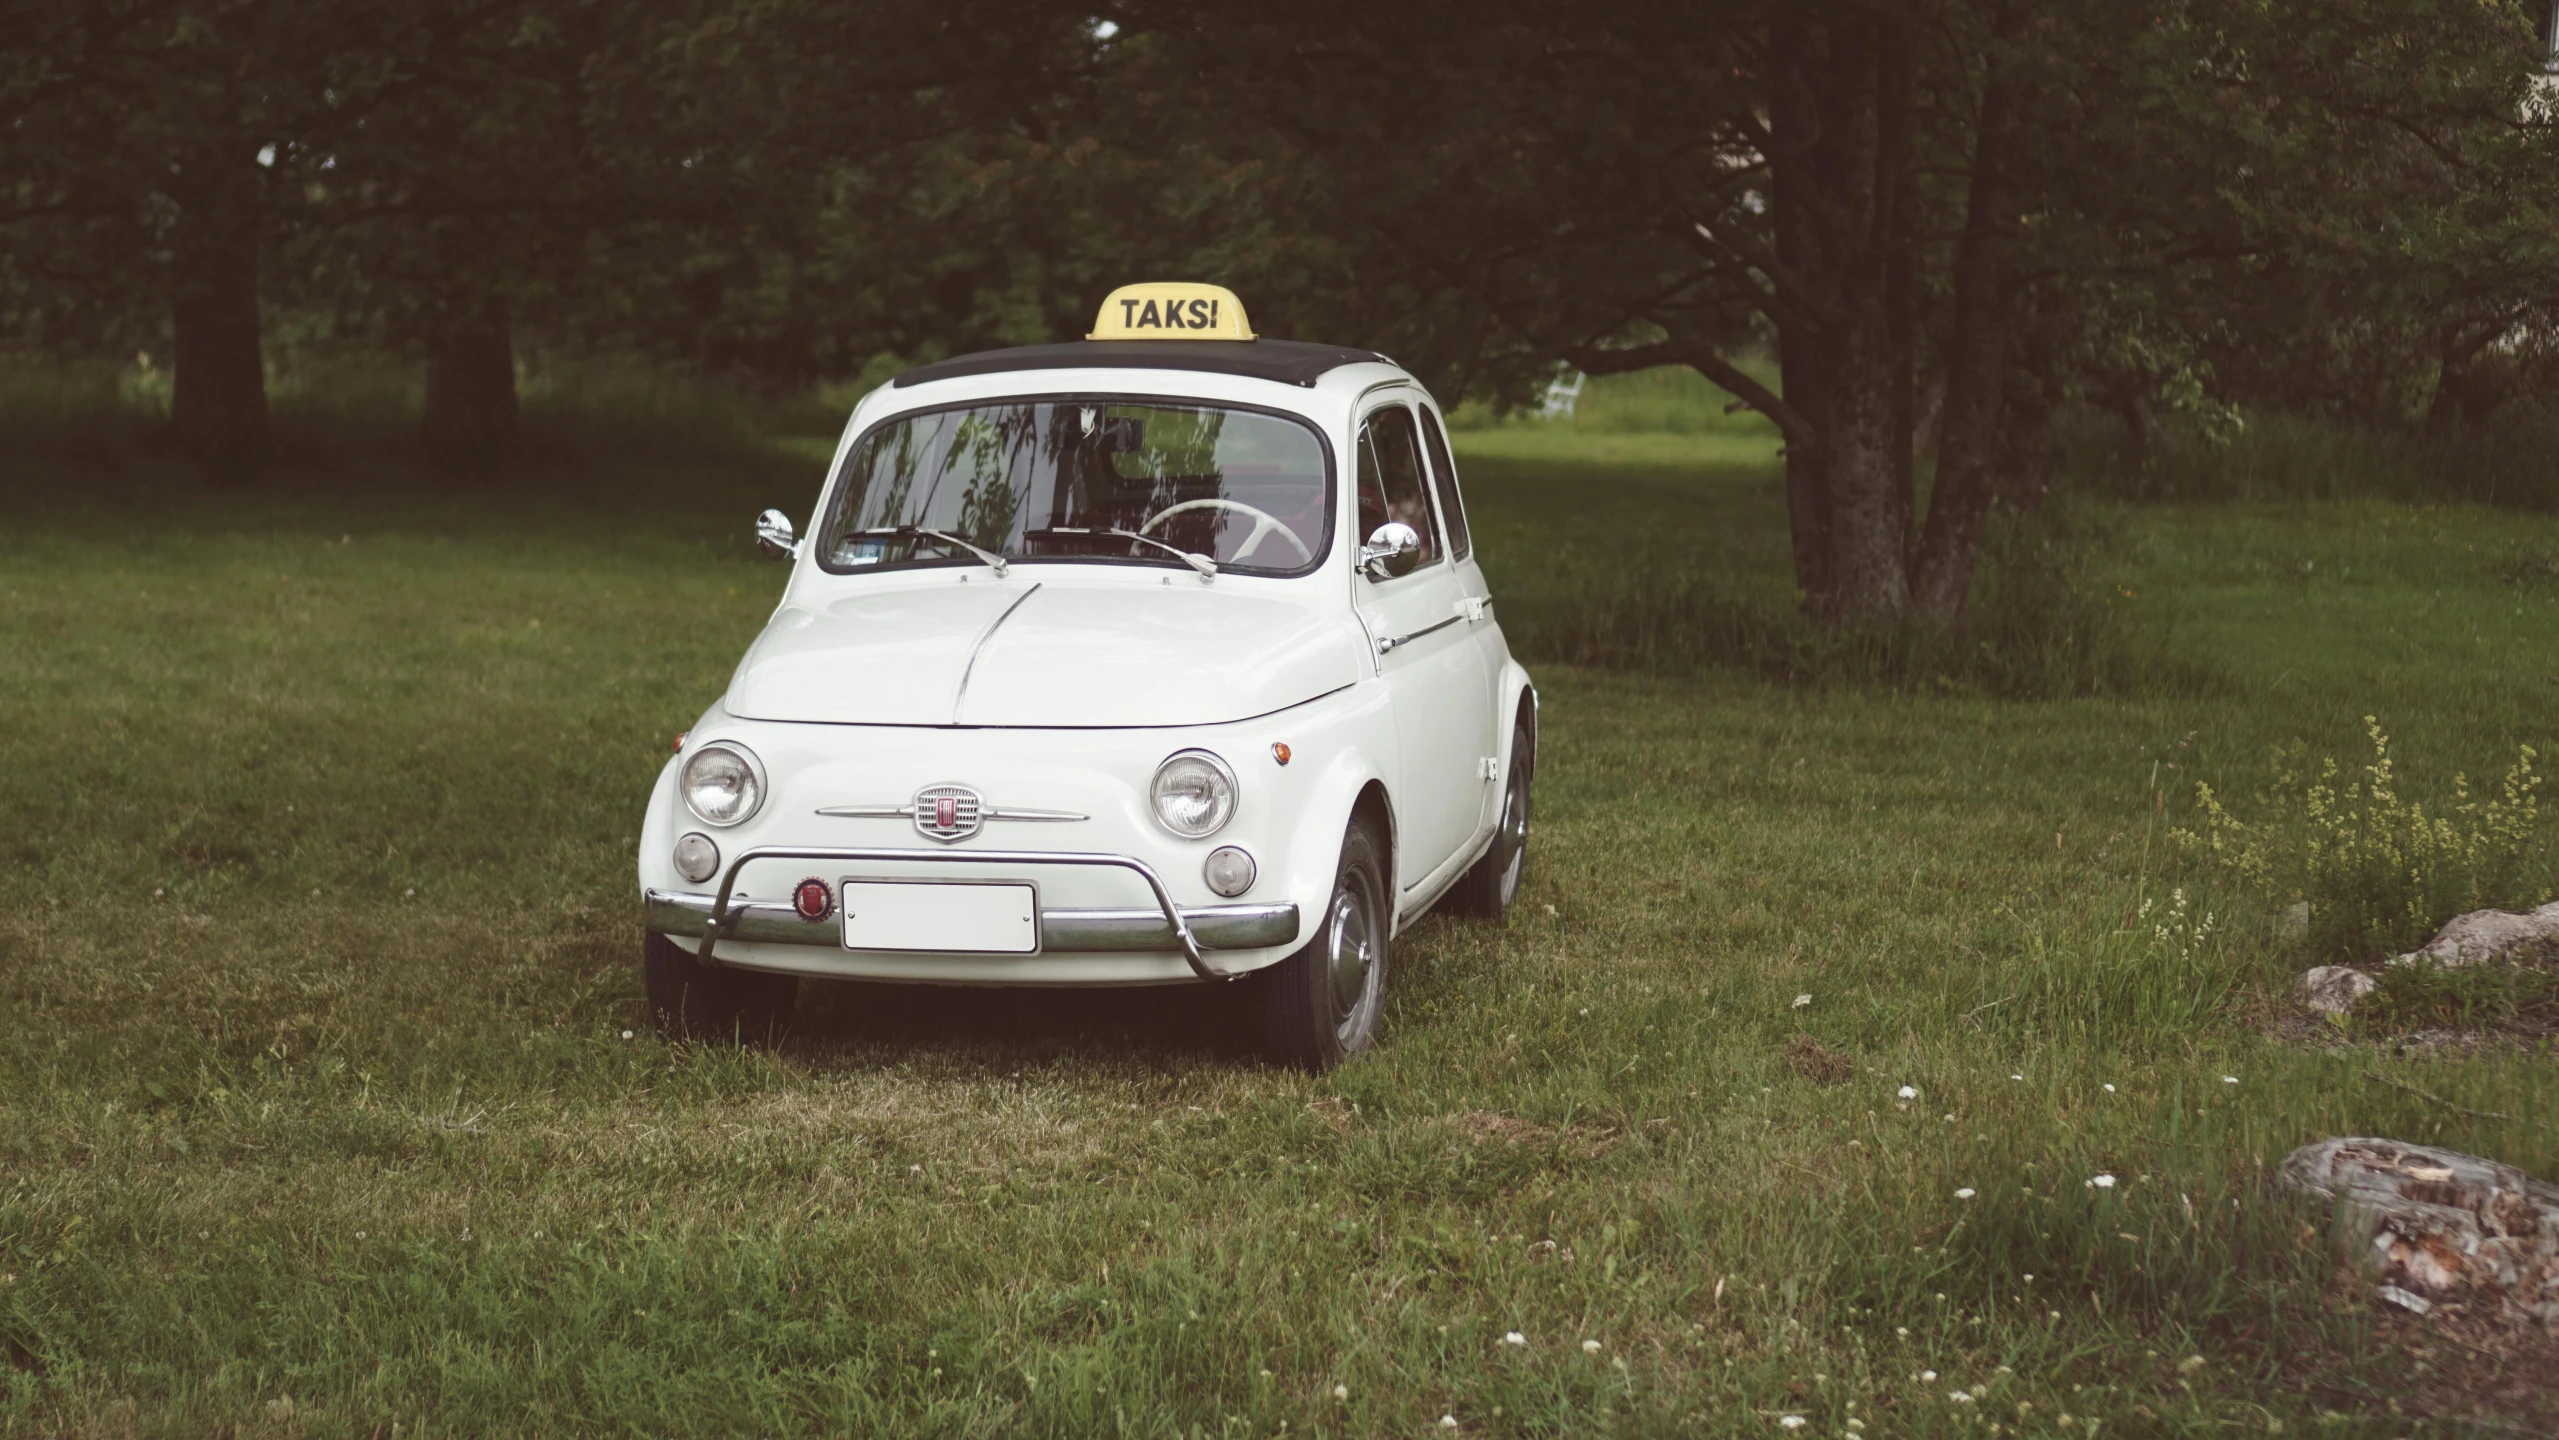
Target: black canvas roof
{"type": "Point", "coordinates": [1295, 362]}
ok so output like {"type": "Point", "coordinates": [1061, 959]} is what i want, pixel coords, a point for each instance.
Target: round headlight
{"type": "Point", "coordinates": [1229, 871]}
{"type": "Point", "coordinates": [696, 858]}
{"type": "Point", "coordinates": [723, 783]}
{"type": "Point", "coordinates": [1194, 794]}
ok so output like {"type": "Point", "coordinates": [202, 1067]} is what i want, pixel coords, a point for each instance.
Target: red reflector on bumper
{"type": "Point", "coordinates": [813, 899]}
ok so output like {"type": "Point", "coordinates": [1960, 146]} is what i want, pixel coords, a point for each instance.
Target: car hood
{"type": "Point", "coordinates": [1045, 653]}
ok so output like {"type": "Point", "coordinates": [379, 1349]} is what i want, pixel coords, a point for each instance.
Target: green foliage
{"type": "Point", "coordinates": [2380, 871]}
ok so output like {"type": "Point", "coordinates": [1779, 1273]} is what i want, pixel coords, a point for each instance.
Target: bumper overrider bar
{"type": "Point", "coordinates": [1167, 927]}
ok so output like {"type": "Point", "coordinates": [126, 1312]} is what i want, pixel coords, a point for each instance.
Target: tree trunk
{"type": "Point", "coordinates": [2460, 396]}
{"type": "Point", "coordinates": [218, 393]}
{"type": "Point", "coordinates": [1794, 123]}
{"type": "Point", "coordinates": [1971, 447]}
{"type": "Point", "coordinates": [2026, 451]}
{"type": "Point", "coordinates": [470, 417]}
{"type": "Point", "coordinates": [1864, 96]}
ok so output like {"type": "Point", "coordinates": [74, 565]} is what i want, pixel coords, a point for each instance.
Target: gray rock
{"type": "Point", "coordinates": [2437, 1225]}
{"type": "Point", "coordinates": [2485, 935]}
{"type": "Point", "coordinates": [2332, 989]}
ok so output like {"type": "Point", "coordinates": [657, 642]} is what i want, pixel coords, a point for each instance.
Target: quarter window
{"type": "Point", "coordinates": [1391, 483]}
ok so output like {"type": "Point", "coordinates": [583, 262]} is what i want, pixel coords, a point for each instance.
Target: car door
{"type": "Point", "coordinates": [1426, 653]}
{"type": "Point", "coordinates": [1475, 596]}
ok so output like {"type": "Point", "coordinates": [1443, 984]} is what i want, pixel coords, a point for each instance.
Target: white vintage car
{"type": "Point", "coordinates": [1161, 657]}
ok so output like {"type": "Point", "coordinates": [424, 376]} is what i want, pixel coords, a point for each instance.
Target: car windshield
{"type": "Point", "coordinates": [1092, 480]}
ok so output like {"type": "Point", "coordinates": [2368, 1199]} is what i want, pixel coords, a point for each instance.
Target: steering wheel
{"type": "Point", "coordinates": [1264, 523]}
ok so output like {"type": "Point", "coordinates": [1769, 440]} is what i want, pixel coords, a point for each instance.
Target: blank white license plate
{"type": "Point", "coordinates": [968, 915]}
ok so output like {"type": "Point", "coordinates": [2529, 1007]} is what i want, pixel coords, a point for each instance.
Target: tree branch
{"type": "Point", "coordinates": [1594, 360]}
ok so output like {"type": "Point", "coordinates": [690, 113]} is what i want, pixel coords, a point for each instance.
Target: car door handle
{"type": "Point", "coordinates": [1475, 608]}
{"type": "Point", "coordinates": [1394, 642]}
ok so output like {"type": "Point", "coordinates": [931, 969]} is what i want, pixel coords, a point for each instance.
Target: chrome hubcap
{"type": "Point", "coordinates": [1514, 837]}
{"type": "Point", "coordinates": [1350, 944]}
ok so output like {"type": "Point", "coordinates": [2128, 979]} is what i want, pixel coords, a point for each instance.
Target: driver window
{"type": "Point", "coordinates": [1391, 486]}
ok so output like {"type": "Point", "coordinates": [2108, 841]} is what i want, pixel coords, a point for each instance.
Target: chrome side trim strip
{"type": "Point", "coordinates": [1217, 927]}
{"type": "Point", "coordinates": [1392, 641]}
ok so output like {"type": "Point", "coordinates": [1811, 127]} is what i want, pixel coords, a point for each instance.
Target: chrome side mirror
{"type": "Point", "coordinates": [1393, 549]}
{"type": "Point", "coordinates": [774, 537]}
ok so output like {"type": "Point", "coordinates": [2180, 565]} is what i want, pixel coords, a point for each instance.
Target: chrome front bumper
{"type": "Point", "coordinates": [720, 917]}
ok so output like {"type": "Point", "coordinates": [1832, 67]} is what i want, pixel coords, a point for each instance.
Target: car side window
{"type": "Point", "coordinates": [1391, 482]}
{"type": "Point", "coordinates": [1444, 471]}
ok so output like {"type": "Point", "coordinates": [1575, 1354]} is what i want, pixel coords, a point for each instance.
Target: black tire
{"type": "Point", "coordinates": [1490, 885]}
{"type": "Point", "coordinates": [1322, 1005]}
{"type": "Point", "coordinates": [693, 1001]}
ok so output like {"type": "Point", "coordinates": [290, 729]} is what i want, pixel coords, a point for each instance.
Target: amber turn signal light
{"type": "Point", "coordinates": [1279, 751]}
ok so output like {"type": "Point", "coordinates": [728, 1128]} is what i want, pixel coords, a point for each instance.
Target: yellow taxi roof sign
{"type": "Point", "coordinates": [1171, 310]}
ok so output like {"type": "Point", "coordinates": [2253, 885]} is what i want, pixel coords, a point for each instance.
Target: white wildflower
{"type": "Point", "coordinates": [1908, 1092]}
{"type": "Point", "coordinates": [2110, 1089]}
{"type": "Point", "coordinates": [1802, 1000]}
{"type": "Point", "coordinates": [2229, 1079]}
{"type": "Point", "coordinates": [2101, 1182]}
{"type": "Point", "coordinates": [1590, 1347]}
{"type": "Point", "coordinates": [1449, 1422]}
{"type": "Point", "coordinates": [1791, 1422]}
{"type": "Point", "coordinates": [1341, 1392]}
{"type": "Point", "coordinates": [626, 1034]}
{"type": "Point", "coordinates": [1927, 1375]}
{"type": "Point", "coordinates": [1514, 1338]}
{"type": "Point", "coordinates": [1964, 1194]}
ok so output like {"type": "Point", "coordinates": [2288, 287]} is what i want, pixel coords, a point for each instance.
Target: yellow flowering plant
{"type": "Point", "coordinates": [2379, 870]}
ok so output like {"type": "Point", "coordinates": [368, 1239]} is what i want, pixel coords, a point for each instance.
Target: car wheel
{"type": "Point", "coordinates": [693, 1001]}
{"type": "Point", "coordinates": [1492, 883]}
{"type": "Point", "coordinates": [1321, 1005]}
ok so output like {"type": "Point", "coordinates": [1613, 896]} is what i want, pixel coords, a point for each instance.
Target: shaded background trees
{"type": "Point", "coordinates": [1908, 234]}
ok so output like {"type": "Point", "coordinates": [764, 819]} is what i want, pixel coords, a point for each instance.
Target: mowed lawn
{"type": "Point", "coordinates": [327, 1106]}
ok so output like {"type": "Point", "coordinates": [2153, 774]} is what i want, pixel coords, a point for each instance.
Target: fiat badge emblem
{"type": "Point", "coordinates": [948, 812]}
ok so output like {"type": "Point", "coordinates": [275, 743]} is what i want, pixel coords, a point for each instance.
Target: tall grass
{"type": "Point", "coordinates": [2510, 460]}
{"type": "Point", "coordinates": [2045, 622]}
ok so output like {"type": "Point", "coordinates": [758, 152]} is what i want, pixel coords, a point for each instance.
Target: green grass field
{"type": "Point", "coordinates": [322, 1110]}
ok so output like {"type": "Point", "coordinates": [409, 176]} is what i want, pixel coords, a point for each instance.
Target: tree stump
{"type": "Point", "coordinates": [2434, 1227]}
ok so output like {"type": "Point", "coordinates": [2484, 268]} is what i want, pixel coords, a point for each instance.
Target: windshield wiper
{"type": "Point", "coordinates": [1201, 563]}
{"type": "Point", "coordinates": [908, 532]}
